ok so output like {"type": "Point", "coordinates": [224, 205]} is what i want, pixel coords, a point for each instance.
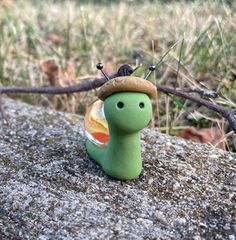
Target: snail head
{"type": "Point", "coordinates": [127, 104]}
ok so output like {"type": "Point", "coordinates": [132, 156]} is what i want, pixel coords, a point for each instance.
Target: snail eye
{"type": "Point", "coordinates": [141, 105]}
{"type": "Point", "coordinates": [120, 105]}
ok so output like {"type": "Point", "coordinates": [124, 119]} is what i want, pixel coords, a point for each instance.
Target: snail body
{"type": "Point", "coordinates": [127, 110]}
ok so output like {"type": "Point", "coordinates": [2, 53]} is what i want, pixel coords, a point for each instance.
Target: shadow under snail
{"type": "Point", "coordinates": [123, 110]}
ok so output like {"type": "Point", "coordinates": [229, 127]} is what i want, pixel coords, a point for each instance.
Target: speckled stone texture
{"type": "Point", "coordinates": [50, 189]}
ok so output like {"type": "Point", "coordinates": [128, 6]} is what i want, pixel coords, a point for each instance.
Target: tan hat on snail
{"type": "Point", "coordinates": [127, 84]}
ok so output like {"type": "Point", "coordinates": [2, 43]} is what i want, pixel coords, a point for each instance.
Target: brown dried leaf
{"type": "Point", "coordinates": [68, 76]}
{"type": "Point", "coordinates": [55, 38]}
{"type": "Point", "coordinates": [6, 3]}
{"type": "Point", "coordinates": [62, 77]}
{"type": "Point", "coordinates": [56, 76]}
{"type": "Point", "coordinates": [109, 68]}
{"type": "Point", "coordinates": [205, 135]}
{"type": "Point", "coordinates": [51, 70]}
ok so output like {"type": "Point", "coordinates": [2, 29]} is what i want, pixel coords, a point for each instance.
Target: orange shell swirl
{"type": "Point", "coordinates": [96, 126]}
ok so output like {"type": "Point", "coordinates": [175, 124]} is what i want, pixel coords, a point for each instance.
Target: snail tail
{"type": "Point", "coordinates": [95, 152]}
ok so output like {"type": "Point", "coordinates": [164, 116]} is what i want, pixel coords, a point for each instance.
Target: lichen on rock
{"type": "Point", "coordinates": [50, 189]}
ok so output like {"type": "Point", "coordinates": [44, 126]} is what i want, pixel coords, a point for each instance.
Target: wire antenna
{"type": "Point", "coordinates": [100, 67]}
{"type": "Point", "coordinates": [151, 69]}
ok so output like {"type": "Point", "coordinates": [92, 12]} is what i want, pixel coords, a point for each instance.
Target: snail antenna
{"type": "Point", "coordinates": [151, 68]}
{"type": "Point", "coordinates": [100, 67]}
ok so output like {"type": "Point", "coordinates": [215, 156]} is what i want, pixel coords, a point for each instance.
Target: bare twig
{"type": "Point", "coordinates": [202, 92]}
{"type": "Point", "coordinates": [227, 113]}
{"type": "Point", "coordinates": [126, 70]}
{"type": "Point", "coordinates": [84, 86]}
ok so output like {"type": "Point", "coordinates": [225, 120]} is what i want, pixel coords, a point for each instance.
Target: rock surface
{"type": "Point", "coordinates": [50, 189]}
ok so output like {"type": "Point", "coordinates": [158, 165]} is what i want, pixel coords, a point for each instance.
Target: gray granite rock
{"type": "Point", "coordinates": [50, 189]}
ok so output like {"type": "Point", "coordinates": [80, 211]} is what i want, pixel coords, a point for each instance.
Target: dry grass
{"type": "Point", "coordinates": [203, 56]}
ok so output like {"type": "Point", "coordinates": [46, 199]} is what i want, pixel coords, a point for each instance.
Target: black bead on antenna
{"type": "Point", "coordinates": [151, 69]}
{"type": "Point", "coordinates": [100, 67]}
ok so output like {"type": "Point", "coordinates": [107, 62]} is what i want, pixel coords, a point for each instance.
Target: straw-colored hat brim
{"type": "Point", "coordinates": [127, 84]}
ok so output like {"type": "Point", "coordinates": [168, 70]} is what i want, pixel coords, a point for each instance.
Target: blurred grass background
{"type": "Point", "coordinates": [73, 36]}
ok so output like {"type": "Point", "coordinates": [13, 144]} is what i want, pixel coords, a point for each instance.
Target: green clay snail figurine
{"type": "Point", "coordinates": [113, 125]}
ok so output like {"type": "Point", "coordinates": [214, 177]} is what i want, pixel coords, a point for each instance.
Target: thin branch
{"type": "Point", "coordinates": [202, 92]}
{"type": "Point", "coordinates": [227, 113]}
{"type": "Point", "coordinates": [126, 70]}
{"type": "Point", "coordinates": [84, 86]}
